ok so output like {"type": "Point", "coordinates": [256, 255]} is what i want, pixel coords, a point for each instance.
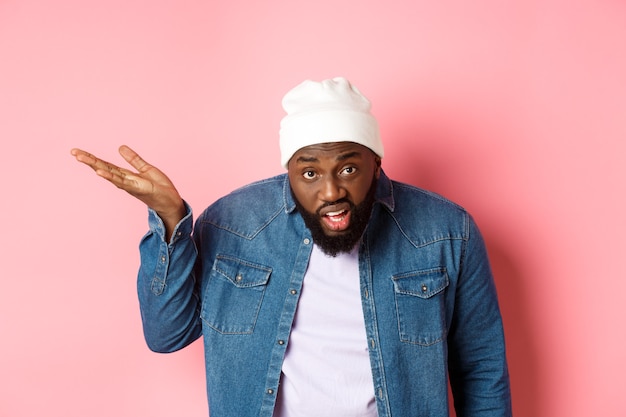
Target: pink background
{"type": "Point", "coordinates": [514, 109]}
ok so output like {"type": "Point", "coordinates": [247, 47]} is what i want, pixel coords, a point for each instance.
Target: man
{"type": "Point", "coordinates": [327, 291]}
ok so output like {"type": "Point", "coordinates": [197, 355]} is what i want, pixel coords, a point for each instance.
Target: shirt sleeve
{"type": "Point", "coordinates": [478, 368]}
{"type": "Point", "coordinates": [167, 285]}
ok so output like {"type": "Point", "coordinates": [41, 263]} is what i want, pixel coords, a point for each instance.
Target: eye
{"type": "Point", "coordinates": [309, 175]}
{"type": "Point", "coordinates": [348, 170]}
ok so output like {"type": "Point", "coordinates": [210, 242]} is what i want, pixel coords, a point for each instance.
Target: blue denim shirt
{"type": "Point", "coordinates": [428, 296]}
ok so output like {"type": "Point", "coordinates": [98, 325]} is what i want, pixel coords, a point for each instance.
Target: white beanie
{"type": "Point", "coordinates": [326, 111]}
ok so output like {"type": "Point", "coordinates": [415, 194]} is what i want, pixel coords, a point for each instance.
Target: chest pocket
{"type": "Point", "coordinates": [420, 305]}
{"type": "Point", "coordinates": [233, 295]}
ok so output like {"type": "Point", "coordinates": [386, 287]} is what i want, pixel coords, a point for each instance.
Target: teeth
{"type": "Point", "coordinates": [334, 213]}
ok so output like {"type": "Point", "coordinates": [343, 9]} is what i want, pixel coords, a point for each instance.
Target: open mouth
{"type": "Point", "coordinates": [336, 220]}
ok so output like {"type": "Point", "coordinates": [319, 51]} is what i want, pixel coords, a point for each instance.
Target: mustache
{"type": "Point", "coordinates": [332, 203]}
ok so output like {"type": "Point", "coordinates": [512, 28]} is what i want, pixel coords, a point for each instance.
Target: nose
{"type": "Point", "coordinates": [331, 190]}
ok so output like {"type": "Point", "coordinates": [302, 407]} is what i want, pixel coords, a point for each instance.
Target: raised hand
{"type": "Point", "coordinates": [148, 184]}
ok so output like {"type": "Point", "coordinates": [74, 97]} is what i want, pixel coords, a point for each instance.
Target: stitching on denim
{"type": "Point", "coordinates": [250, 236]}
{"type": "Point", "coordinates": [251, 326]}
{"type": "Point", "coordinates": [157, 285]}
{"type": "Point", "coordinates": [466, 238]}
{"type": "Point", "coordinates": [426, 243]}
{"type": "Point", "coordinates": [373, 324]}
{"type": "Point", "coordinates": [443, 283]}
{"type": "Point", "coordinates": [266, 270]}
{"type": "Point", "coordinates": [404, 339]}
{"type": "Point", "coordinates": [244, 262]}
{"type": "Point", "coordinates": [253, 321]}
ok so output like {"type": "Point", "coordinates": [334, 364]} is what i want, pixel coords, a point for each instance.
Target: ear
{"type": "Point", "coordinates": [378, 162]}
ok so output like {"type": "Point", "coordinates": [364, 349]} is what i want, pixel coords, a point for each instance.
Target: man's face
{"type": "Point", "coordinates": [333, 185]}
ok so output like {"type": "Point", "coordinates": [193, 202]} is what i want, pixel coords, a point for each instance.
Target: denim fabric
{"type": "Point", "coordinates": [428, 297]}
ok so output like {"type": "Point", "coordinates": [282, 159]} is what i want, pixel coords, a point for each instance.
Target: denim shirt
{"type": "Point", "coordinates": [428, 297]}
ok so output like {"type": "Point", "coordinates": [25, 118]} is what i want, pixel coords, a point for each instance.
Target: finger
{"type": "Point", "coordinates": [83, 156]}
{"type": "Point", "coordinates": [134, 159]}
{"type": "Point", "coordinates": [111, 171]}
{"type": "Point", "coordinates": [88, 159]}
{"type": "Point", "coordinates": [120, 177]}
{"type": "Point", "coordinates": [103, 168]}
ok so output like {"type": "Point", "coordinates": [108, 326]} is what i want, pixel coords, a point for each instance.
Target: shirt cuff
{"type": "Point", "coordinates": [182, 230]}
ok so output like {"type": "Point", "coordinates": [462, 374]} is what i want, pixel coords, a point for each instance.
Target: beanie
{"type": "Point", "coordinates": [328, 111]}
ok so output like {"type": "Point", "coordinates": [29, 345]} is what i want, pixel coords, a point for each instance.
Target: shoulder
{"type": "Point", "coordinates": [248, 209]}
{"type": "Point", "coordinates": [409, 194]}
{"type": "Point", "coordinates": [425, 216]}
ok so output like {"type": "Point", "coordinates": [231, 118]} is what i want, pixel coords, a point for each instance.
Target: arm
{"type": "Point", "coordinates": [167, 286]}
{"type": "Point", "coordinates": [477, 358]}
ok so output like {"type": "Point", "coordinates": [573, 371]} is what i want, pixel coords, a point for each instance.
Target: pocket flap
{"type": "Point", "coordinates": [242, 273]}
{"type": "Point", "coordinates": [423, 284]}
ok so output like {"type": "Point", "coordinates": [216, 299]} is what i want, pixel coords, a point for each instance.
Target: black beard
{"type": "Point", "coordinates": [344, 242]}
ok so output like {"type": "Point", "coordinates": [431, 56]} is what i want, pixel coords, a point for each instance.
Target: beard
{"type": "Point", "coordinates": [344, 242]}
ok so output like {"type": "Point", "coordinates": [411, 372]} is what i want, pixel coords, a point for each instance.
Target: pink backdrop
{"type": "Point", "coordinates": [514, 109]}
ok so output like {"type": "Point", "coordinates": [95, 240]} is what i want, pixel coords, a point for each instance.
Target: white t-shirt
{"type": "Point", "coordinates": [327, 371]}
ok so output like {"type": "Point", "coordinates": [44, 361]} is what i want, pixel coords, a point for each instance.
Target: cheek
{"type": "Point", "coordinates": [360, 191]}
{"type": "Point", "coordinates": [305, 196]}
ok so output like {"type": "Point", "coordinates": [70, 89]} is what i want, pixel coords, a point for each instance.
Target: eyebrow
{"type": "Point", "coordinates": [340, 157]}
{"type": "Point", "coordinates": [347, 155]}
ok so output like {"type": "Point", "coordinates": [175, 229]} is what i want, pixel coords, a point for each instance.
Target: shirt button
{"type": "Point", "coordinates": [163, 259]}
{"type": "Point", "coordinates": [293, 292]}
{"type": "Point", "coordinates": [270, 391]}
{"type": "Point", "coordinates": [424, 288]}
{"type": "Point", "coordinates": [281, 342]}
{"type": "Point", "coordinates": [307, 240]}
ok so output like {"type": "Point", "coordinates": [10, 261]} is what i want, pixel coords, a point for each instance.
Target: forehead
{"type": "Point", "coordinates": [335, 151]}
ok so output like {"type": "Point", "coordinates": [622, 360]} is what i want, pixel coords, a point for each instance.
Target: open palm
{"type": "Point", "coordinates": [148, 183]}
